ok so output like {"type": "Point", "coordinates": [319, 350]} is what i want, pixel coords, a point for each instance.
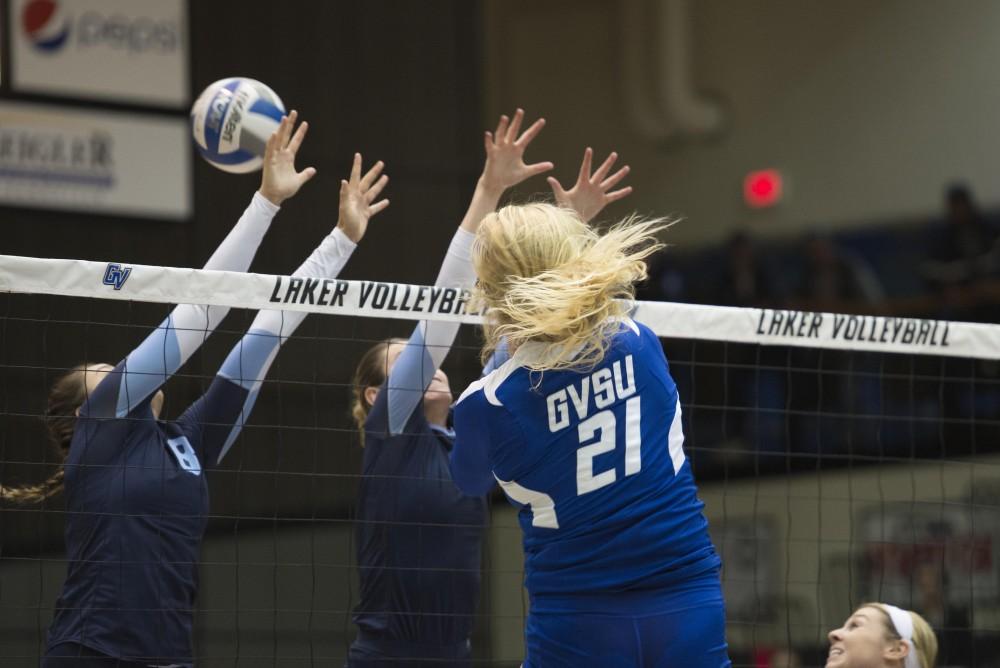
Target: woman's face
{"type": "Point", "coordinates": [863, 642]}
{"type": "Point", "coordinates": [95, 373]}
{"type": "Point", "coordinates": [438, 393]}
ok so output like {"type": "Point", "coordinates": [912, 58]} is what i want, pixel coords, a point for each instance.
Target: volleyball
{"type": "Point", "coordinates": [231, 121]}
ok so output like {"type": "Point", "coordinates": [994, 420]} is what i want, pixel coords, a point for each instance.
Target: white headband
{"type": "Point", "coordinates": [903, 623]}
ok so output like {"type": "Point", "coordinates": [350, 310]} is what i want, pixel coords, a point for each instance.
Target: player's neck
{"type": "Point", "coordinates": [437, 415]}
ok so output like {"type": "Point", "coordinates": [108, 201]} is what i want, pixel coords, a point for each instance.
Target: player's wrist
{"type": "Point", "coordinates": [271, 196]}
{"type": "Point", "coordinates": [352, 232]}
{"type": "Point", "coordinates": [489, 186]}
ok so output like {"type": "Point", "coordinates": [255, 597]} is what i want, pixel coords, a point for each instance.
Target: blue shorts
{"type": "Point", "coordinates": [683, 628]}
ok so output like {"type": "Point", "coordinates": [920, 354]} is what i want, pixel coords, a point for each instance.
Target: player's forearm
{"type": "Point", "coordinates": [237, 250]}
{"type": "Point", "coordinates": [271, 328]}
{"type": "Point", "coordinates": [250, 360]}
{"type": "Point", "coordinates": [192, 323]}
{"type": "Point", "coordinates": [484, 201]}
{"type": "Point", "coordinates": [171, 344]}
{"type": "Point", "coordinates": [431, 341]}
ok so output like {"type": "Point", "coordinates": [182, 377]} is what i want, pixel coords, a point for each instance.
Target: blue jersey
{"type": "Point", "coordinates": [419, 537]}
{"type": "Point", "coordinates": [137, 503]}
{"type": "Point", "coordinates": [136, 495]}
{"type": "Point", "coordinates": [594, 459]}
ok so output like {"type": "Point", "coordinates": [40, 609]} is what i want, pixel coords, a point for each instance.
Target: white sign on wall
{"type": "Point", "coordinates": [122, 50]}
{"type": "Point", "coordinates": [113, 162]}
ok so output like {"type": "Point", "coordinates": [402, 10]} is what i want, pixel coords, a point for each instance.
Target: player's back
{"type": "Point", "coordinates": [595, 457]}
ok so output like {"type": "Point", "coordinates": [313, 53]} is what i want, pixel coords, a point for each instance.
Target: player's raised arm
{"type": "Point", "coordinates": [215, 420]}
{"type": "Point", "coordinates": [592, 192]}
{"type": "Point", "coordinates": [588, 197]}
{"type": "Point", "coordinates": [136, 378]}
{"type": "Point", "coordinates": [430, 343]}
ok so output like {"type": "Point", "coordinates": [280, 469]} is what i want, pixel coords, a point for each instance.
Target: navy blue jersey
{"type": "Point", "coordinates": [136, 495]}
{"type": "Point", "coordinates": [594, 459]}
{"type": "Point", "coordinates": [136, 502]}
{"type": "Point", "coordinates": [419, 537]}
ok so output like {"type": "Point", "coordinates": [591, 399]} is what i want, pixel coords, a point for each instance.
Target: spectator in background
{"type": "Point", "coordinates": [777, 657]}
{"type": "Point", "coordinates": [745, 280]}
{"type": "Point", "coordinates": [835, 279]}
{"type": "Point", "coordinates": [666, 282]}
{"type": "Point", "coordinates": [961, 255]}
{"type": "Point", "coordinates": [966, 248]}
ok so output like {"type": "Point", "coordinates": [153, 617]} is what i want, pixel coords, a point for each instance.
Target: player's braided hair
{"type": "Point", "coordinates": [65, 397]}
{"type": "Point", "coordinates": [546, 276]}
{"type": "Point", "coordinates": [370, 372]}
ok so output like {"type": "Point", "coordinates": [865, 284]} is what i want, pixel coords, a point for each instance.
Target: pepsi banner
{"type": "Point", "coordinates": [132, 51]}
{"type": "Point", "coordinates": [105, 162]}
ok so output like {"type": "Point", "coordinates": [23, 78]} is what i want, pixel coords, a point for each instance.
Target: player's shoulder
{"type": "Point", "coordinates": [634, 336]}
{"type": "Point", "coordinates": [634, 330]}
{"type": "Point", "coordinates": [485, 391]}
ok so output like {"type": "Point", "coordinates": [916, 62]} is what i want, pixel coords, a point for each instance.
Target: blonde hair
{"type": "Point", "coordinates": [66, 396]}
{"type": "Point", "coordinates": [546, 276]}
{"type": "Point", "coordinates": [925, 642]}
{"type": "Point", "coordinates": [370, 372]}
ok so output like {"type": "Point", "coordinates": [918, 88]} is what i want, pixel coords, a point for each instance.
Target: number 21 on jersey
{"type": "Point", "coordinates": [598, 435]}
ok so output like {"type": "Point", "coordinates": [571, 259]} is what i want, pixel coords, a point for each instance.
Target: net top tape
{"type": "Point", "coordinates": [376, 299]}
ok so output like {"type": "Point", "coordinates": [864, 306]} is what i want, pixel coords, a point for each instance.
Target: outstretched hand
{"type": "Point", "coordinates": [357, 199]}
{"type": "Point", "coordinates": [280, 180]}
{"type": "Point", "coordinates": [505, 166]}
{"type": "Point", "coordinates": [591, 193]}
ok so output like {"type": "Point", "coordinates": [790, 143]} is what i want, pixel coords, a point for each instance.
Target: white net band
{"type": "Point", "coordinates": [172, 285]}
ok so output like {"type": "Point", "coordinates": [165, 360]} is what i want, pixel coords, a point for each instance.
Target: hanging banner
{"type": "Point", "coordinates": [104, 162]}
{"type": "Point", "coordinates": [133, 51]}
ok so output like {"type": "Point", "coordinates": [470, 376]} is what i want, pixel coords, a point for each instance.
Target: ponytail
{"type": "Point", "coordinates": [370, 372]}
{"type": "Point", "coordinates": [545, 276]}
{"type": "Point", "coordinates": [66, 396]}
{"type": "Point", "coordinates": [28, 494]}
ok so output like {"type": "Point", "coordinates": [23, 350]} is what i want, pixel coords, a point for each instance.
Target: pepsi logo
{"type": "Point", "coordinates": [45, 24]}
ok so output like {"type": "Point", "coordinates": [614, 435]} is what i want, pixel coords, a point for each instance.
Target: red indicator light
{"type": "Point", "coordinates": [762, 188]}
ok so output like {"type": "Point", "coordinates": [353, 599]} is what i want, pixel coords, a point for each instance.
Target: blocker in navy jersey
{"type": "Point", "coordinates": [611, 519]}
{"type": "Point", "coordinates": [138, 502]}
{"type": "Point", "coordinates": [419, 536]}
{"type": "Point", "coordinates": [419, 541]}
{"type": "Point", "coordinates": [136, 495]}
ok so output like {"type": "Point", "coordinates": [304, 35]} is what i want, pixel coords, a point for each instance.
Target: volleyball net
{"type": "Point", "coordinates": [841, 458]}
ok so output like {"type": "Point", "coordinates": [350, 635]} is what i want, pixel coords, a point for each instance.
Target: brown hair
{"type": "Point", "coordinates": [547, 276]}
{"type": "Point", "coordinates": [924, 640]}
{"type": "Point", "coordinates": [66, 396]}
{"type": "Point", "coordinates": [370, 372]}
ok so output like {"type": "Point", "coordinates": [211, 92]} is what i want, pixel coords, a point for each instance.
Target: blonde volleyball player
{"type": "Point", "coordinates": [879, 635]}
{"type": "Point", "coordinates": [581, 427]}
{"type": "Point", "coordinates": [419, 536]}
{"type": "Point", "coordinates": [136, 494]}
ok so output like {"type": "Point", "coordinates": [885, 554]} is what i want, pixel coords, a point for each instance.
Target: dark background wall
{"type": "Point", "coordinates": [397, 81]}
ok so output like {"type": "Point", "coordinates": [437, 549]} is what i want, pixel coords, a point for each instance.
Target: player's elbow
{"type": "Point", "coordinates": [474, 485]}
{"type": "Point", "coordinates": [469, 482]}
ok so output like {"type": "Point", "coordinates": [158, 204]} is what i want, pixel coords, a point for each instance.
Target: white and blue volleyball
{"type": "Point", "coordinates": [231, 121]}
